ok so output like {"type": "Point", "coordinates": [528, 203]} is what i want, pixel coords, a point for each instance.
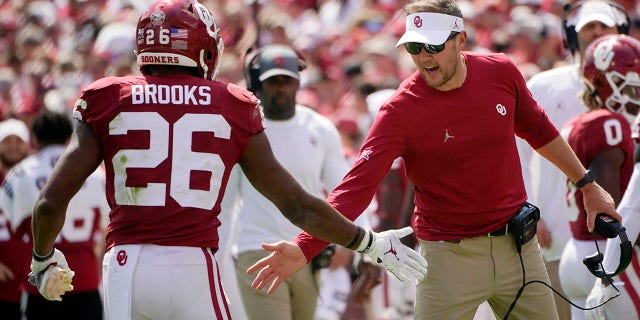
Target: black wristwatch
{"type": "Point", "coordinates": [588, 178]}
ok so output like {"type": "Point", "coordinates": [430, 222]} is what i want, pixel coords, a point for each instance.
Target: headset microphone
{"type": "Point", "coordinates": [609, 228]}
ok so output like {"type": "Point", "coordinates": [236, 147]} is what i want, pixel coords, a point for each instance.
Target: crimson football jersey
{"type": "Point", "coordinates": [169, 144]}
{"type": "Point", "coordinates": [15, 253]}
{"type": "Point", "coordinates": [590, 134]}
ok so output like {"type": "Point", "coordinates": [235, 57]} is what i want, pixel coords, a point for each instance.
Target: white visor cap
{"type": "Point", "coordinates": [594, 11]}
{"type": "Point", "coordinates": [430, 28]}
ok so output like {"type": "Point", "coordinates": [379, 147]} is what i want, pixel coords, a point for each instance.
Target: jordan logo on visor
{"type": "Point", "coordinates": [455, 25]}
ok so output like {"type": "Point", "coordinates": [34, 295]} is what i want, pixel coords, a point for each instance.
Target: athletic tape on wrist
{"type": "Point", "coordinates": [355, 238]}
{"type": "Point", "coordinates": [361, 247]}
{"type": "Point", "coordinates": [40, 258]}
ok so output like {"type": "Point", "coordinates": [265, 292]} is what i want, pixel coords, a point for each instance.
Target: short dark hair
{"type": "Point", "coordinates": [50, 127]}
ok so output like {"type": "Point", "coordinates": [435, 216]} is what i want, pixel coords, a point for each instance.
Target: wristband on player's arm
{"type": "Point", "coordinates": [366, 242]}
{"type": "Point", "coordinates": [40, 258]}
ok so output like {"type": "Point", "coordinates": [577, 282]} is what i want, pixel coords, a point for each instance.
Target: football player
{"type": "Point", "coordinates": [169, 140]}
{"type": "Point", "coordinates": [612, 69]}
{"type": "Point", "coordinates": [82, 232]}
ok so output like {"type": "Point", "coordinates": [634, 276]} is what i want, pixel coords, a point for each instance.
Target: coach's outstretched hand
{"type": "Point", "coordinates": [386, 250]}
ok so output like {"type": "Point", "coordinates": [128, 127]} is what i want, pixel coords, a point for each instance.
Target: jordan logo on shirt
{"type": "Point", "coordinates": [365, 154]}
{"type": "Point", "coordinates": [447, 136]}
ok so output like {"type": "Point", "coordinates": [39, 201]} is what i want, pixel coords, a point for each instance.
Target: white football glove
{"type": "Point", "coordinates": [52, 277]}
{"type": "Point", "coordinates": [387, 251]}
{"type": "Point", "coordinates": [598, 295]}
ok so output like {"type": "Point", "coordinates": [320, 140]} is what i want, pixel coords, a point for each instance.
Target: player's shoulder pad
{"type": "Point", "coordinates": [106, 82]}
{"type": "Point", "coordinates": [242, 94]}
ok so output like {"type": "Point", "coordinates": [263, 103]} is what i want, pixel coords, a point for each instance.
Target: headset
{"type": "Point", "coordinates": [252, 66]}
{"type": "Point", "coordinates": [571, 36]}
{"type": "Point", "coordinates": [609, 228]}
{"type": "Point", "coordinates": [606, 227]}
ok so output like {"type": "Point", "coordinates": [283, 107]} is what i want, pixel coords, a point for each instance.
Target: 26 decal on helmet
{"type": "Point", "coordinates": [179, 32]}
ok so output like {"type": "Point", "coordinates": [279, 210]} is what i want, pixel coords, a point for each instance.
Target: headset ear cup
{"type": "Point", "coordinates": [571, 38]}
{"type": "Point", "coordinates": [593, 261]}
{"type": "Point", "coordinates": [252, 70]}
{"type": "Point", "coordinates": [625, 28]}
{"type": "Point", "coordinates": [256, 85]}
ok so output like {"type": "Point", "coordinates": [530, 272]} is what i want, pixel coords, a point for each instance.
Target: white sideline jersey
{"type": "Point", "coordinates": [309, 146]}
{"type": "Point", "coordinates": [86, 215]}
{"type": "Point", "coordinates": [22, 188]}
{"type": "Point", "coordinates": [557, 91]}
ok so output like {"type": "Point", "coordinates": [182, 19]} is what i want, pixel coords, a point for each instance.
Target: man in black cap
{"type": "Point", "coordinates": [308, 146]}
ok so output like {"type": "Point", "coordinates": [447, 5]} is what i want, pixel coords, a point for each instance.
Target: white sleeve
{"type": "Point", "coordinates": [525, 152]}
{"type": "Point", "coordinates": [18, 197]}
{"type": "Point", "coordinates": [629, 209]}
{"type": "Point", "coordinates": [229, 213]}
{"type": "Point", "coordinates": [335, 165]}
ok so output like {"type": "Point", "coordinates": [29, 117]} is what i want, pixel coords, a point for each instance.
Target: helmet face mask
{"type": "Point", "coordinates": [179, 33]}
{"type": "Point", "coordinates": [612, 72]}
{"type": "Point", "coordinates": [625, 95]}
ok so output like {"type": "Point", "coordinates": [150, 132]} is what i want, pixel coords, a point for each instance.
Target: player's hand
{"type": "Point", "coordinates": [5, 273]}
{"type": "Point", "coordinates": [543, 234]}
{"type": "Point", "coordinates": [598, 295]}
{"type": "Point", "coordinates": [597, 200]}
{"type": "Point", "coordinates": [402, 261]}
{"type": "Point", "coordinates": [52, 277]}
{"type": "Point", "coordinates": [369, 276]}
{"type": "Point", "coordinates": [285, 260]}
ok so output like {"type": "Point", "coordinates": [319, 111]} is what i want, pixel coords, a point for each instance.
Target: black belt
{"type": "Point", "coordinates": [500, 232]}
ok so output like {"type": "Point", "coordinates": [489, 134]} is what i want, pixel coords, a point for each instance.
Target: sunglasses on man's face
{"type": "Point", "coordinates": [415, 47]}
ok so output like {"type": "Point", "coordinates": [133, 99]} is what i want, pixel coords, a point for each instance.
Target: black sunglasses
{"type": "Point", "coordinates": [415, 47]}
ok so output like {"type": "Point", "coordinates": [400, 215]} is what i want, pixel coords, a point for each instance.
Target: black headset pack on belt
{"type": "Point", "coordinates": [623, 21]}
{"type": "Point", "coordinates": [252, 65]}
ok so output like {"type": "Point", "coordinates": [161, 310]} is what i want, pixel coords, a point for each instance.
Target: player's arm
{"type": "Point", "coordinates": [606, 169]}
{"type": "Point", "coordinates": [317, 217]}
{"type": "Point", "coordinates": [310, 213]}
{"type": "Point", "coordinates": [81, 157]}
{"type": "Point", "coordinates": [596, 199]}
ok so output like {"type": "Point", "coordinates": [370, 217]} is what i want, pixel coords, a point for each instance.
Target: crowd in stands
{"type": "Point", "coordinates": [49, 50]}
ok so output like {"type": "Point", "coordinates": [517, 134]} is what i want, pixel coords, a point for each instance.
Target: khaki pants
{"type": "Point", "coordinates": [563, 307]}
{"type": "Point", "coordinates": [461, 275]}
{"type": "Point", "coordinates": [295, 298]}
